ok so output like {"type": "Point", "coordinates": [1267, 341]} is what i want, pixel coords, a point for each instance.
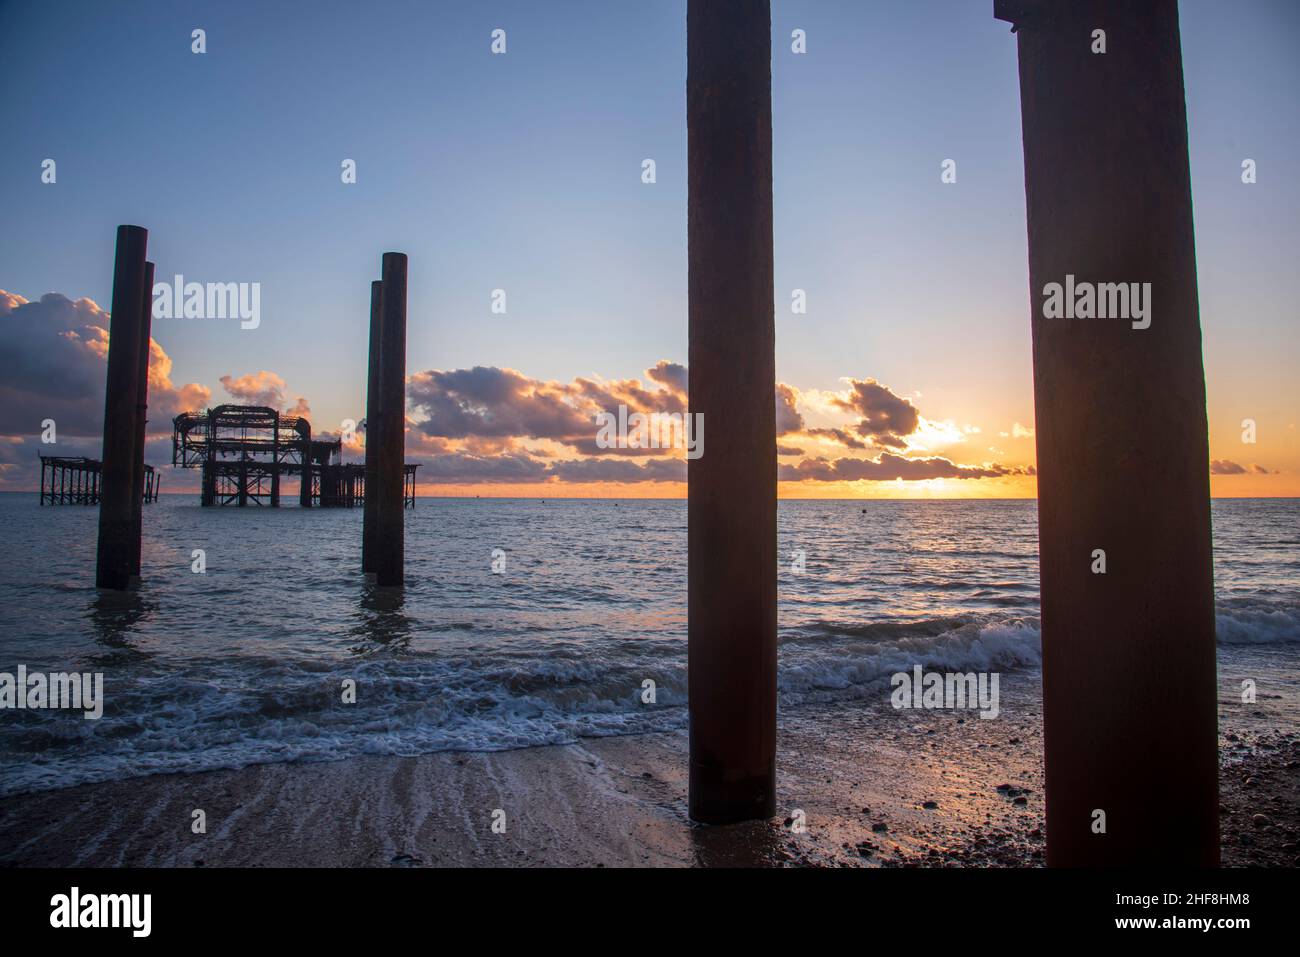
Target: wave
{"type": "Point", "coordinates": [234, 713]}
{"type": "Point", "coordinates": [1256, 625]}
{"type": "Point", "coordinates": [815, 667]}
{"type": "Point", "coordinates": [229, 715]}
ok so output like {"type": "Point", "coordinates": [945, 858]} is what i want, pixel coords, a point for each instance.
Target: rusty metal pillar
{"type": "Point", "coordinates": [389, 482]}
{"type": "Point", "coordinates": [1128, 636]}
{"type": "Point", "coordinates": [369, 506]}
{"type": "Point", "coordinates": [210, 462]}
{"type": "Point", "coordinates": [275, 462]}
{"type": "Point", "coordinates": [304, 441]}
{"type": "Point", "coordinates": [732, 486]}
{"type": "Point", "coordinates": [116, 549]}
{"type": "Point", "coordinates": [142, 415]}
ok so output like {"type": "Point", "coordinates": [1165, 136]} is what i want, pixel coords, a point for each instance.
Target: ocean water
{"type": "Point", "coordinates": [246, 663]}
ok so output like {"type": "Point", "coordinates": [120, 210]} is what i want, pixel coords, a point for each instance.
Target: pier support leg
{"type": "Point", "coordinates": [304, 489]}
{"type": "Point", "coordinates": [142, 416]}
{"type": "Point", "coordinates": [275, 464]}
{"type": "Point", "coordinates": [1123, 466]}
{"type": "Point", "coordinates": [389, 471]}
{"type": "Point", "coordinates": [732, 486]}
{"type": "Point", "coordinates": [116, 550]}
{"type": "Point", "coordinates": [210, 463]}
{"type": "Point", "coordinates": [370, 513]}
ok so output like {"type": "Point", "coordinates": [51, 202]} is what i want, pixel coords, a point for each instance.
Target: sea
{"type": "Point", "coordinates": [524, 622]}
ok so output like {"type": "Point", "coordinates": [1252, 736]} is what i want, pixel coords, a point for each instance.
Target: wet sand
{"type": "Point", "coordinates": [858, 785]}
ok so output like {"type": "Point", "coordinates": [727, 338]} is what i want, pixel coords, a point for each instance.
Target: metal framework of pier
{"type": "Point", "coordinates": [74, 480]}
{"type": "Point", "coordinates": [244, 452]}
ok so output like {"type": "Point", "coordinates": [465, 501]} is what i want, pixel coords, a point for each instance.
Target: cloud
{"type": "Point", "coordinates": [671, 375]}
{"type": "Point", "coordinates": [885, 417]}
{"type": "Point", "coordinates": [266, 389]}
{"type": "Point", "coordinates": [488, 402]}
{"type": "Point", "coordinates": [466, 468]}
{"type": "Point", "coordinates": [607, 470]}
{"type": "Point", "coordinates": [486, 424]}
{"type": "Point", "coordinates": [788, 418]}
{"type": "Point", "coordinates": [479, 425]}
{"type": "Point", "coordinates": [461, 468]}
{"type": "Point", "coordinates": [52, 365]}
{"type": "Point", "coordinates": [166, 401]}
{"type": "Point", "coordinates": [1228, 467]}
{"type": "Point", "coordinates": [509, 427]}
{"type": "Point", "coordinates": [838, 435]}
{"type": "Point", "coordinates": [887, 467]}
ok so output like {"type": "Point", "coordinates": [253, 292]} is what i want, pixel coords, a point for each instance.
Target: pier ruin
{"type": "Point", "coordinates": [74, 480]}
{"type": "Point", "coordinates": [245, 451]}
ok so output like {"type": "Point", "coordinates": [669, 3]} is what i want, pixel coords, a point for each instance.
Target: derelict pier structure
{"type": "Point", "coordinates": [245, 451]}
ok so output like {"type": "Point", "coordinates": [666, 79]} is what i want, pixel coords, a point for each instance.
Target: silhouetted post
{"type": "Point", "coordinates": [275, 462]}
{"type": "Point", "coordinates": [1128, 636]}
{"type": "Point", "coordinates": [141, 418]}
{"type": "Point", "coordinates": [370, 511]}
{"type": "Point", "coordinates": [210, 463]}
{"type": "Point", "coordinates": [116, 549]}
{"type": "Point", "coordinates": [389, 529]}
{"type": "Point", "coordinates": [732, 486]}
{"type": "Point", "coordinates": [304, 443]}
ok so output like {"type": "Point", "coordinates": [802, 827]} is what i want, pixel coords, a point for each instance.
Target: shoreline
{"type": "Point", "coordinates": [877, 787]}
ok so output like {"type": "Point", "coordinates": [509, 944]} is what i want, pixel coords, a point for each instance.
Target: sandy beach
{"type": "Point", "coordinates": [876, 787]}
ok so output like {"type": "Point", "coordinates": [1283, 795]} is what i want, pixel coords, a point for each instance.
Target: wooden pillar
{"type": "Point", "coordinates": [389, 483]}
{"type": "Point", "coordinates": [116, 550]}
{"type": "Point", "coordinates": [1123, 465]}
{"type": "Point", "coordinates": [732, 486]}
{"type": "Point", "coordinates": [370, 512]}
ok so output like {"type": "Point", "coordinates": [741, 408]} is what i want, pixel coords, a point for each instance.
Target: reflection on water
{"type": "Point", "coordinates": [242, 664]}
{"type": "Point", "coordinates": [380, 620]}
{"type": "Point", "coordinates": [113, 616]}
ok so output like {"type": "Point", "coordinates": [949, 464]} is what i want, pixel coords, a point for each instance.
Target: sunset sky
{"type": "Point", "coordinates": [909, 375]}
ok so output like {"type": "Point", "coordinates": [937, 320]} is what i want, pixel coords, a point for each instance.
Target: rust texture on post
{"type": "Point", "coordinates": [142, 418]}
{"type": "Point", "coordinates": [732, 486]}
{"type": "Point", "coordinates": [1128, 653]}
{"type": "Point", "coordinates": [389, 471]}
{"type": "Point", "coordinates": [370, 514]}
{"type": "Point", "coordinates": [116, 551]}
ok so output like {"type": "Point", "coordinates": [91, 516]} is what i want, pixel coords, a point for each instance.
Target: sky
{"type": "Point", "coordinates": [523, 172]}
